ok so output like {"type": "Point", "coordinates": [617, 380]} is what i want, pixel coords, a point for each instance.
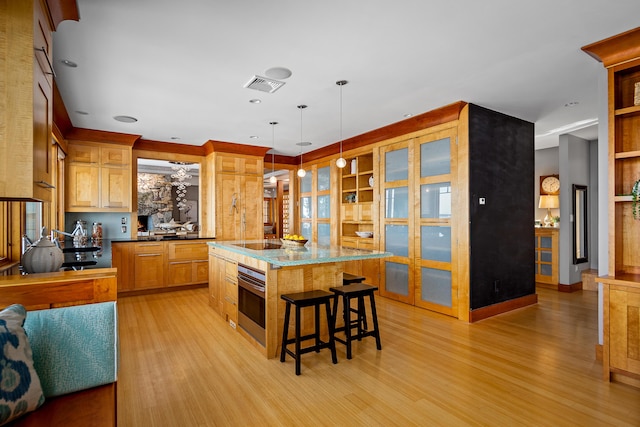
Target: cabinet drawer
{"type": "Point", "coordinates": [149, 247]}
{"type": "Point", "coordinates": [231, 291]}
{"type": "Point", "coordinates": [231, 270]}
{"type": "Point", "coordinates": [190, 251]}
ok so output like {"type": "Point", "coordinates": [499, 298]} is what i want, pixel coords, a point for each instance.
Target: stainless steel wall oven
{"type": "Point", "coordinates": [251, 302]}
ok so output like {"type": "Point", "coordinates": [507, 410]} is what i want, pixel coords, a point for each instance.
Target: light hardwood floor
{"type": "Point", "coordinates": [181, 365]}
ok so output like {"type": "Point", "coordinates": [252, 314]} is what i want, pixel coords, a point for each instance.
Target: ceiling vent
{"type": "Point", "coordinates": [264, 84]}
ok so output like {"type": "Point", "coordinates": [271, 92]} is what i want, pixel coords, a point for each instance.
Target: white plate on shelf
{"type": "Point", "coordinates": [371, 181]}
{"type": "Point", "coordinates": [365, 234]}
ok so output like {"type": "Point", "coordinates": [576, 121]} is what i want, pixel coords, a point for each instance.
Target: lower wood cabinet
{"type": "Point", "coordinates": [223, 286]}
{"type": "Point", "coordinates": [621, 328]}
{"type": "Point", "coordinates": [369, 268]}
{"type": "Point", "coordinates": [160, 264]}
{"type": "Point", "coordinates": [547, 250]}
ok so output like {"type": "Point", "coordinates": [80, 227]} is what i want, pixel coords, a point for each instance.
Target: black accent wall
{"type": "Point", "coordinates": [501, 170]}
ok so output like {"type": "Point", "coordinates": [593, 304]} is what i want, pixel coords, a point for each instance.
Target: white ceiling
{"type": "Point", "coordinates": [179, 67]}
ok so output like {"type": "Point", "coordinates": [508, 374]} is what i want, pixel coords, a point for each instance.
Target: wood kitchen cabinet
{"type": "Point", "coordinates": [239, 195]}
{"type": "Point", "coordinates": [187, 263]}
{"type": "Point", "coordinates": [148, 265]}
{"type": "Point", "coordinates": [223, 286]}
{"type": "Point", "coordinates": [27, 155]}
{"type": "Point", "coordinates": [98, 177]}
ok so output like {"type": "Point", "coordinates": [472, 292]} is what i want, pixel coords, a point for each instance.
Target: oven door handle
{"type": "Point", "coordinates": [253, 288]}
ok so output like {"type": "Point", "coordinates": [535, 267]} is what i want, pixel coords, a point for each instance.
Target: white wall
{"type": "Point", "coordinates": [574, 158]}
{"type": "Point", "coordinates": [546, 163]}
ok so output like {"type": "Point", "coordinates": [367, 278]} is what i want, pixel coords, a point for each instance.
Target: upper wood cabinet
{"type": "Point", "coordinates": [98, 177]}
{"type": "Point", "coordinates": [27, 156]}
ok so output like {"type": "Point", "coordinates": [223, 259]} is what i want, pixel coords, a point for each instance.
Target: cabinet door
{"type": "Point", "coordinates": [396, 221]}
{"type": "Point", "coordinates": [436, 283]}
{"type": "Point", "coordinates": [82, 189]}
{"type": "Point", "coordinates": [149, 270]}
{"type": "Point", "coordinates": [253, 192]}
{"type": "Point", "coordinates": [122, 259]}
{"type": "Point", "coordinates": [115, 189]}
{"type": "Point", "coordinates": [200, 271]}
{"type": "Point", "coordinates": [624, 318]}
{"type": "Point", "coordinates": [227, 200]}
{"type": "Point", "coordinates": [179, 273]}
{"type": "Point", "coordinates": [115, 156]}
{"type": "Point", "coordinates": [216, 282]}
{"type": "Point", "coordinates": [81, 153]}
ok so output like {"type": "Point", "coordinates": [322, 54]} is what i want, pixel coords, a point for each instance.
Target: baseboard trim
{"type": "Point", "coordinates": [502, 307]}
{"type": "Point", "coordinates": [599, 351]}
{"type": "Point", "coordinates": [574, 287]}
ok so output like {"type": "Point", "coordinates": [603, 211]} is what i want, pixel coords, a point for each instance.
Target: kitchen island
{"type": "Point", "coordinates": [281, 270]}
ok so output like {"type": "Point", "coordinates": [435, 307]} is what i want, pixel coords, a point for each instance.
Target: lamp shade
{"type": "Point", "coordinates": [549, 202]}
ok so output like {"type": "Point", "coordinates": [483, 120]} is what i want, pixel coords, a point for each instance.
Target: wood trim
{"type": "Point", "coordinates": [599, 351]}
{"type": "Point", "coordinates": [617, 49]}
{"type": "Point", "coordinates": [81, 134]}
{"type": "Point", "coordinates": [61, 119]}
{"type": "Point", "coordinates": [442, 115]}
{"type": "Point", "coordinates": [62, 10]}
{"type": "Point", "coordinates": [570, 288]}
{"type": "Point", "coordinates": [47, 290]}
{"type": "Point", "coordinates": [169, 147]}
{"type": "Point", "coordinates": [502, 307]}
{"type": "Point", "coordinates": [212, 146]}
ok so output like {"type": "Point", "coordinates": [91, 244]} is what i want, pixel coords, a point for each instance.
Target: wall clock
{"type": "Point", "coordinates": [550, 184]}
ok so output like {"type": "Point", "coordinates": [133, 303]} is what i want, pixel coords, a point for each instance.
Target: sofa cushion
{"type": "Point", "coordinates": [20, 389]}
{"type": "Point", "coordinates": [74, 348]}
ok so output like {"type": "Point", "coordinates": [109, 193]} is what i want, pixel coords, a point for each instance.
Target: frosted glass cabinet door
{"type": "Point", "coordinates": [305, 208]}
{"type": "Point", "coordinates": [396, 202]}
{"type": "Point", "coordinates": [324, 178]}
{"type": "Point", "coordinates": [324, 206]}
{"type": "Point", "coordinates": [396, 278]}
{"type": "Point", "coordinates": [397, 239]}
{"type": "Point", "coordinates": [435, 243]}
{"type": "Point", "coordinates": [435, 158]}
{"type": "Point", "coordinates": [305, 230]}
{"type": "Point", "coordinates": [306, 183]}
{"type": "Point", "coordinates": [324, 234]}
{"type": "Point", "coordinates": [397, 165]}
{"type": "Point", "coordinates": [435, 200]}
{"type": "Point", "coordinates": [436, 286]}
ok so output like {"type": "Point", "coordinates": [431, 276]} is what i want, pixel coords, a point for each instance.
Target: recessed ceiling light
{"type": "Point", "coordinates": [125, 119]}
{"type": "Point", "coordinates": [254, 137]}
{"type": "Point", "coordinates": [278, 73]}
{"type": "Point", "coordinates": [84, 113]}
{"type": "Point", "coordinates": [175, 137]}
{"type": "Point", "coordinates": [571, 104]}
{"type": "Point", "coordinates": [303, 144]}
{"type": "Point", "coordinates": [68, 63]}
{"type": "Point", "coordinates": [406, 116]}
{"type": "Point", "coordinates": [255, 101]}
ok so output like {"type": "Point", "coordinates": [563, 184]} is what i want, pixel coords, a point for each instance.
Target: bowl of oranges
{"type": "Point", "coordinates": [293, 240]}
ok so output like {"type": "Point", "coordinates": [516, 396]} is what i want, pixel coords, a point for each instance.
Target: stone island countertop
{"type": "Point", "coordinates": [273, 252]}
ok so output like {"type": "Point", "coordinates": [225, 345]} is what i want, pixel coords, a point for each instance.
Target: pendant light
{"type": "Point", "coordinates": [272, 178]}
{"type": "Point", "coordinates": [341, 162]}
{"type": "Point", "coordinates": [301, 171]}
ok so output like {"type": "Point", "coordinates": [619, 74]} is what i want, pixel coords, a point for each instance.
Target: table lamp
{"type": "Point", "coordinates": [549, 202]}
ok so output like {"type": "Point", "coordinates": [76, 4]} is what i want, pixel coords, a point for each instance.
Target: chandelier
{"type": "Point", "coordinates": [180, 180]}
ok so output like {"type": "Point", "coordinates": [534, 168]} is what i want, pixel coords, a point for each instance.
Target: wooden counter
{"type": "Point", "coordinates": [287, 271]}
{"type": "Point", "coordinates": [59, 289]}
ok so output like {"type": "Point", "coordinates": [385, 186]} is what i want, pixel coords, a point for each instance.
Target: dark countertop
{"type": "Point", "coordinates": [160, 237]}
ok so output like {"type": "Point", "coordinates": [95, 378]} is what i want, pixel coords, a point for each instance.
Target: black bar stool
{"type": "Point", "coordinates": [348, 279]}
{"type": "Point", "coordinates": [358, 291]}
{"type": "Point", "coordinates": [307, 299]}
